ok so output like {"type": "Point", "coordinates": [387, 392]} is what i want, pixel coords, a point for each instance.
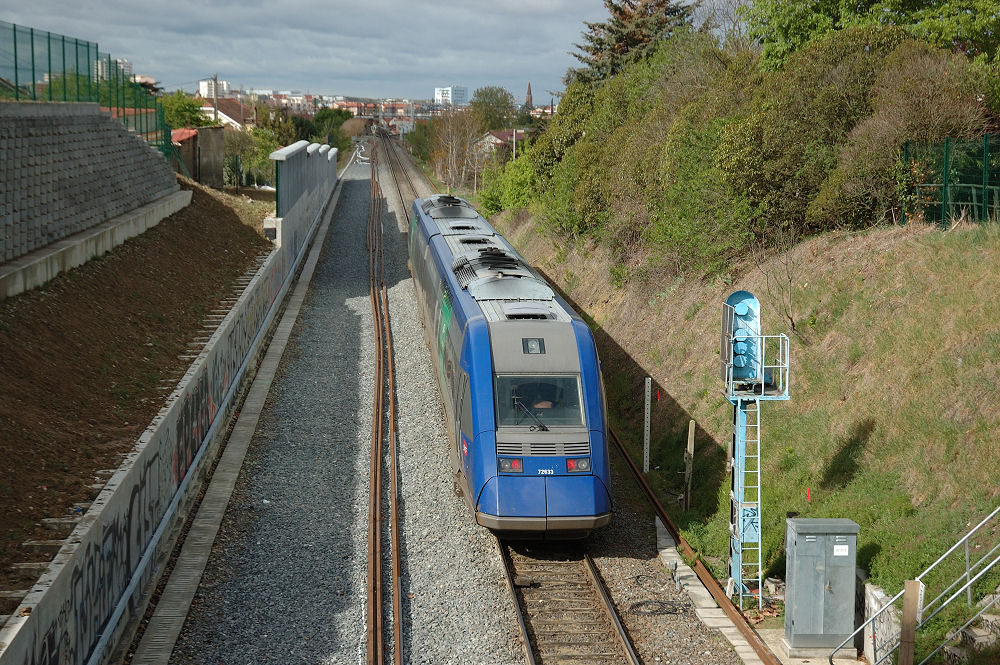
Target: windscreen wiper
{"type": "Point", "coordinates": [541, 425]}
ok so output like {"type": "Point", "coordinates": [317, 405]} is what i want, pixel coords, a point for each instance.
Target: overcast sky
{"type": "Point", "coordinates": [368, 48]}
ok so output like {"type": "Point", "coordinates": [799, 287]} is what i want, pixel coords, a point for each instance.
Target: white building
{"type": "Point", "coordinates": [206, 87]}
{"type": "Point", "coordinates": [123, 67]}
{"type": "Point", "coordinates": [455, 95]}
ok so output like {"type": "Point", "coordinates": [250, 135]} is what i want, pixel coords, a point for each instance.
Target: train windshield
{"type": "Point", "coordinates": [540, 401]}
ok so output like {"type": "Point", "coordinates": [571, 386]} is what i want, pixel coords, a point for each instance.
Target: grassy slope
{"type": "Point", "coordinates": [892, 420]}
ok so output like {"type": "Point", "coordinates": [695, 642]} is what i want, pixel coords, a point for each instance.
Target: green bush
{"type": "Point", "coordinates": [780, 155]}
{"type": "Point", "coordinates": [685, 160]}
{"type": "Point", "coordinates": [922, 93]}
{"type": "Point", "coordinates": [508, 187]}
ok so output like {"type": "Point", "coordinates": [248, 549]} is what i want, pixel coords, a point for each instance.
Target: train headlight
{"type": "Point", "coordinates": [578, 464]}
{"type": "Point", "coordinates": [511, 465]}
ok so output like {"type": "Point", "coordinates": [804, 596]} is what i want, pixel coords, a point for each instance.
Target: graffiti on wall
{"type": "Point", "coordinates": [108, 557]}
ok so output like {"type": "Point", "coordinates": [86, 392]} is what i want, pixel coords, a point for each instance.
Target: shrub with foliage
{"type": "Point", "coordinates": [687, 159]}
{"type": "Point", "coordinates": [508, 187]}
{"type": "Point", "coordinates": [922, 94]}
{"type": "Point", "coordinates": [782, 27]}
{"type": "Point", "coordinates": [779, 155]}
{"type": "Point", "coordinates": [179, 110]}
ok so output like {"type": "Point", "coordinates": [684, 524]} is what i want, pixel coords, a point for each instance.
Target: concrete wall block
{"type": "Point", "coordinates": [70, 158]}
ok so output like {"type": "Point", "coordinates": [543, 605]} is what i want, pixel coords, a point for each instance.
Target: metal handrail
{"type": "Point", "coordinates": [776, 369]}
{"type": "Point", "coordinates": [962, 542]}
{"type": "Point", "coordinates": [959, 631]}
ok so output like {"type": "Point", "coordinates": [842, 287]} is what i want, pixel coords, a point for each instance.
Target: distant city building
{"type": "Point", "coordinates": [206, 88]}
{"type": "Point", "coordinates": [455, 95]}
{"type": "Point", "coordinates": [102, 71]}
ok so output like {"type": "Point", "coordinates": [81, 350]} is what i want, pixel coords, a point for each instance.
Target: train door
{"type": "Point", "coordinates": [464, 438]}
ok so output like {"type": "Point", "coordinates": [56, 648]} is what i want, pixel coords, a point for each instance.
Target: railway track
{"type": "Point", "coordinates": [383, 432]}
{"type": "Point", "coordinates": [398, 166]}
{"type": "Point", "coordinates": [565, 613]}
{"type": "Point", "coordinates": [564, 610]}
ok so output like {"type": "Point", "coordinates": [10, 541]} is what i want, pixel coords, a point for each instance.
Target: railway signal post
{"type": "Point", "coordinates": [754, 369]}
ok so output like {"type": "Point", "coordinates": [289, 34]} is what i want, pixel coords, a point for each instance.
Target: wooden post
{"type": "Point", "coordinates": [688, 466]}
{"type": "Point", "coordinates": [908, 633]}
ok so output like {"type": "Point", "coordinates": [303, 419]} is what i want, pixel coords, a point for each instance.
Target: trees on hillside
{"type": "Point", "coordinates": [453, 151]}
{"type": "Point", "coordinates": [783, 26]}
{"type": "Point", "coordinates": [183, 111]}
{"type": "Point", "coordinates": [275, 120]}
{"type": "Point", "coordinates": [493, 107]}
{"type": "Point", "coordinates": [632, 33]}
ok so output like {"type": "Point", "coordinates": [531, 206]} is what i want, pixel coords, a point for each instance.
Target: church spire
{"type": "Point", "coordinates": [527, 97]}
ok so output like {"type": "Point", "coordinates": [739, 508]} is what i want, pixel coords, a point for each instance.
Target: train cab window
{"type": "Point", "coordinates": [538, 400]}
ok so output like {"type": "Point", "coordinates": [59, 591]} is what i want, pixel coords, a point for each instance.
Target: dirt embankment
{"type": "Point", "coordinates": [89, 358]}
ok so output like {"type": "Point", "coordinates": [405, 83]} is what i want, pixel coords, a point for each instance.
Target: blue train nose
{"type": "Point", "coordinates": [540, 504]}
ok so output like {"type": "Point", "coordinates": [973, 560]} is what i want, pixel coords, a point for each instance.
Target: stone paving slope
{"type": "Point", "coordinates": [67, 167]}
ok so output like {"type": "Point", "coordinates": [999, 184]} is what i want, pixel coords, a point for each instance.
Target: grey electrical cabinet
{"type": "Point", "coordinates": [820, 559]}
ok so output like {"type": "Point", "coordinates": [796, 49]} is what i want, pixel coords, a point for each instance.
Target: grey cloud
{"type": "Point", "coordinates": [373, 48]}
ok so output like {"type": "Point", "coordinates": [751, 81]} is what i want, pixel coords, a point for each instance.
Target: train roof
{"type": "Point", "coordinates": [484, 265]}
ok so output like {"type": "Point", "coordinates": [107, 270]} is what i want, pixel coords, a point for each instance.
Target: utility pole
{"type": "Point", "coordinates": [215, 95]}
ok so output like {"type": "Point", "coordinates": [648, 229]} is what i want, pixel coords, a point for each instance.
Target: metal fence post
{"type": "Point", "coordinates": [913, 184]}
{"type": "Point", "coordinates": [65, 82]}
{"type": "Point", "coordinates": [48, 65]}
{"type": "Point", "coordinates": [17, 85]}
{"type": "Point", "coordinates": [986, 177]}
{"type": "Point", "coordinates": [76, 67]}
{"type": "Point", "coordinates": [944, 180]}
{"type": "Point", "coordinates": [645, 429]}
{"type": "Point", "coordinates": [32, 37]}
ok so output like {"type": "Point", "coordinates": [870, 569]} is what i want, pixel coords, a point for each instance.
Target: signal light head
{"type": "Point", "coordinates": [510, 465]}
{"type": "Point", "coordinates": [578, 464]}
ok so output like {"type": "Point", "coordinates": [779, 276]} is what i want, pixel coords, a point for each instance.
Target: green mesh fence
{"type": "Point", "coordinates": [954, 177]}
{"type": "Point", "coordinates": [40, 66]}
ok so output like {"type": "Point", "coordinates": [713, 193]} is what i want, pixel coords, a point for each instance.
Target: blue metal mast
{"type": "Point", "coordinates": [754, 369]}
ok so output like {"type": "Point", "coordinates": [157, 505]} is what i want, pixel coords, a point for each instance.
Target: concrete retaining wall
{"type": "Point", "coordinates": [96, 588]}
{"type": "Point", "coordinates": [65, 168]}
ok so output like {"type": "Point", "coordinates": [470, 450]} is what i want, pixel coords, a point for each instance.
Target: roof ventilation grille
{"type": "Point", "coordinates": [522, 311]}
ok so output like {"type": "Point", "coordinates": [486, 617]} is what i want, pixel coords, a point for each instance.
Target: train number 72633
{"type": "Point", "coordinates": [546, 472]}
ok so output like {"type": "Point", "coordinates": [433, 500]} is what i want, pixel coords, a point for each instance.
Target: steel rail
{"type": "Point", "coordinates": [706, 577]}
{"type": "Point", "coordinates": [609, 609]}
{"type": "Point", "coordinates": [375, 649]}
{"type": "Point", "coordinates": [578, 566]}
{"type": "Point", "coordinates": [508, 567]}
{"type": "Point", "coordinates": [383, 426]}
{"type": "Point", "coordinates": [393, 151]}
{"type": "Point", "coordinates": [393, 456]}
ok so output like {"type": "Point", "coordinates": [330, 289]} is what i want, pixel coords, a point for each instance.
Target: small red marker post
{"type": "Point", "coordinates": [808, 497]}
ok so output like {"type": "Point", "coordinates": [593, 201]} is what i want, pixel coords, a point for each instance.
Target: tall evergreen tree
{"type": "Point", "coordinates": [632, 33]}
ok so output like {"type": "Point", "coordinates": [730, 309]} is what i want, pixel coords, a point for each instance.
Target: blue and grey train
{"type": "Point", "coordinates": [519, 378]}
